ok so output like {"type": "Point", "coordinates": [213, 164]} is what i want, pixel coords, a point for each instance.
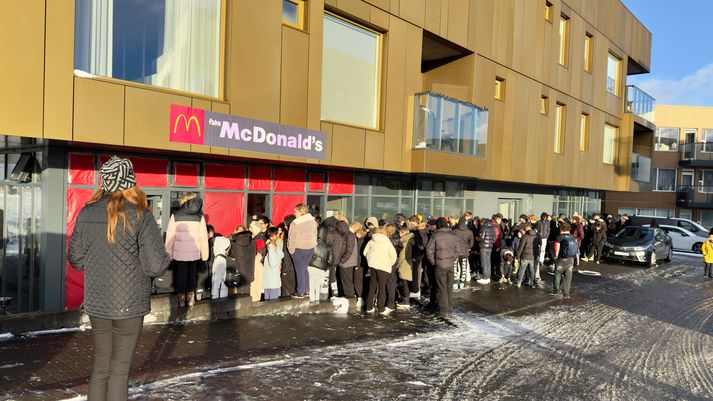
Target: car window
{"type": "Point", "coordinates": [635, 233]}
{"type": "Point", "coordinates": [688, 226]}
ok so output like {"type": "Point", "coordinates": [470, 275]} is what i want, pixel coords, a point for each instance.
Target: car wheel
{"type": "Point", "coordinates": [652, 259]}
{"type": "Point", "coordinates": [697, 247]}
{"type": "Point", "coordinates": [669, 256]}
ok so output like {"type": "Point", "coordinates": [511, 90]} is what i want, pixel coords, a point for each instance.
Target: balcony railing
{"type": "Point", "coordinates": [640, 168]}
{"type": "Point", "coordinates": [449, 125]}
{"type": "Point", "coordinates": [696, 151]}
{"type": "Point", "coordinates": [640, 103]}
{"type": "Point", "coordinates": [694, 196]}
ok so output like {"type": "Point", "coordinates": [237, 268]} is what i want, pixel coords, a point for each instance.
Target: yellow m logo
{"type": "Point", "coordinates": [187, 123]}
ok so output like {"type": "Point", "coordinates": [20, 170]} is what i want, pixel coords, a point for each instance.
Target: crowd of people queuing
{"type": "Point", "coordinates": [384, 265]}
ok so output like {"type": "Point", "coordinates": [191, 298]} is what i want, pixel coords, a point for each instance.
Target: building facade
{"type": "Point", "coordinates": [681, 168]}
{"type": "Point", "coordinates": [422, 106]}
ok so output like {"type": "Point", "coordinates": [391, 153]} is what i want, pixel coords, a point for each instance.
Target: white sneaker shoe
{"type": "Point", "coordinates": [484, 281]}
{"type": "Point", "coordinates": [372, 310]}
{"type": "Point", "coordinates": [415, 295]}
{"type": "Point", "coordinates": [359, 303]}
{"type": "Point", "coordinates": [387, 311]}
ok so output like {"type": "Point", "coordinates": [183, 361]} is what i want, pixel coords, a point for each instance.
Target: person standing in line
{"type": "Point", "coordinates": [287, 272]}
{"type": "Point", "coordinates": [303, 239]}
{"type": "Point", "coordinates": [256, 288]}
{"type": "Point", "coordinates": [596, 245]}
{"type": "Point", "coordinates": [526, 254]}
{"type": "Point", "coordinates": [319, 265]}
{"type": "Point", "coordinates": [418, 229]}
{"type": "Point", "coordinates": [221, 247]}
{"type": "Point", "coordinates": [118, 245]}
{"type": "Point", "coordinates": [362, 266]}
{"type": "Point", "coordinates": [243, 250]}
{"type": "Point", "coordinates": [349, 262]}
{"type": "Point", "coordinates": [442, 252]}
{"type": "Point", "coordinates": [187, 244]}
{"type": "Point", "coordinates": [272, 263]}
{"type": "Point", "coordinates": [565, 253]}
{"type": "Point", "coordinates": [486, 238]}
{"type": "Point", "coordinates": [405, 263]}
{"type": "Point", "coordinates": [465, 234]}
{"type": "Point", "coordinates": [543, 228]}
{"type": "Point", "coordinates": [395, 236]}
{"type": "Point", "coordinates": [381, 256]}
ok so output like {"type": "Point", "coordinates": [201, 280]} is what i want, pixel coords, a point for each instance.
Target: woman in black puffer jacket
{"type": "Point", "coordinates": [118, 244]}
{"type": "Point", "coordinates": [322, 260]}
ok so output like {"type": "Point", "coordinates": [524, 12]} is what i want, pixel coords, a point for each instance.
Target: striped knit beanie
{"type": "Point", "coordinates": [117, 174]}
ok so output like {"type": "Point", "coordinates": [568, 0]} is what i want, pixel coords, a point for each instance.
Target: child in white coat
{"type": "Point", "coordinates": [221, 246]}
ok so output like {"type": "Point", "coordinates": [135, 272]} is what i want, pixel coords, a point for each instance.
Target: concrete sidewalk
{"type": "Point", "coordinates": [58, 365]}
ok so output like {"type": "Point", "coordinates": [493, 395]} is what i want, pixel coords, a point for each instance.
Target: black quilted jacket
{"type": "Point", "coordinates": [117, 277]}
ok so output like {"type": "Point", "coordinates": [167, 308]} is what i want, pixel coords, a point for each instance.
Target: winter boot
{"type": "Point", "coordinates": [191, 299]}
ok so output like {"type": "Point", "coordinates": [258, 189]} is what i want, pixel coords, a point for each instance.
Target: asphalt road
{"type": "Point", "coordinates": [627, 333]}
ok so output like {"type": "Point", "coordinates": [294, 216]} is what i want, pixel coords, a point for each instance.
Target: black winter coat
{"type": "Point", "coordinates": [420, 238]}
{"type": "Point", "coordinates": [323, 257]}
{"type": "Point", "coordinates": [487, 234]}
{"type": "Point", "coordinates": [117, 277]}
{"type": "Point", "coordinates": [243, 251]}
{"type": "Point", "coordinates": [599, 237]}
{"type": "Point", "coordinates": [443, 248]}
{"type": "Point", "coordinates": [526, 249]}
{"type": "Point", "coordinates": [465, 234]}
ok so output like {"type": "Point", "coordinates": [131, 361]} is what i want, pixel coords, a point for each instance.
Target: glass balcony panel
{"type": "Point", "coordinates": [640, 103]}
{"type": "Point", "coordinates": [449, 125]}
{"type": "Point", "coordinates": [640, 168]}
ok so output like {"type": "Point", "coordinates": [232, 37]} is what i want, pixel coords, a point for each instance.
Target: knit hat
{"type": "Point", "coordinates": [373, 221]}
{"type": "Point", "coordinates": [117, 174]}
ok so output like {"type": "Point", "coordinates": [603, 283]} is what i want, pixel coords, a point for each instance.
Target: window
{"type": "Point", "coordinates": [687, 179]}
{"type": "Point", "coordinates": [665, 179]}
{"type": "Point", "coordinates": [685, 214]}
{"type": "Point", "coordinates": [707, 140]}
{"type": "Point", "coordinates": [610, 136]}
{"type": "Point", "coordinates": [171, 44]}
{"type": "Point", "coordinates": [351, 68]}
{"type": "Point", "coordinates": [548, 11]}
{"type": "Point", "coordinates": [560, 117]}
{"type": "Point", "coordinates": [705, 181]}
{"type": "Point", "coordinates": [584, 133]}
{"type": "Point", "coordinates": [293, 13]}
{"type": "Point", "coordinates": [544, 105]}
{"type": "Point", "coordinates": [564, 40]}
{"type": "Point", "coordinates": [499, 88]}
{"type": "Point", "coordinates": [613, 73]}
{"type": "Point", "coordinates": [705, 218]}
{"type": "Point", "coordinates": [667, 139]}
{"type": "Point", "coordinates": [588, 49]}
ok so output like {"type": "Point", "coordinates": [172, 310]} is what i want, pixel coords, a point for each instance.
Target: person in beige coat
{"type": "Point", "coordinates": [256, 285]}
{"type": "Point", "coordinates": [381, 256]}
{"type": "Point", "coordinates": [405, 265]}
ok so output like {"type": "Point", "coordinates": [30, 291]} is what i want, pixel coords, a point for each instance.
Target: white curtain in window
{"type": "Point", "coordinates": [94, 29]}
{"type": "Point", "coordinates": [609, 144]}
{"type": "Point", "coordinates": [191, 47]}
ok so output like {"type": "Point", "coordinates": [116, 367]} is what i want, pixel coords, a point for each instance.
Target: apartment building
{"type": "Point", "coordinates": [355, 107]}
{"type": "Point", "coordinates": [681, 168]}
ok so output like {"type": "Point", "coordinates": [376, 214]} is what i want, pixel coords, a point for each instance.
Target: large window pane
{"type": "Point", "coordinates": [667, 138]}
{"type": "Point", "coordinates": [467, 139]}
{"type": "Point", "coordinates": [339, 205]}
{"type": "Point", "coordinates": [406, 206]}
{"type": "Point", "coordinates": [453, 207]}
{"type": "Point", "coordinates": [351, 64]}
{"type": "Point", "coordinates": [449, 126]}
{"type": "Point", "coordinates": [613, 73]}
{"type": "Point", "coordinates": [423, 206]}
{"type": "Point", "coordinates": [665, 179]}
{"type": "Point", "coordinates": [705, 218]}
{"type": "Point", "coordinates": [361, 208]}
{"type": "Point", "coordinates": [707, 140]}
{"type": "Point", "coordinates": [172, 44]}
{"type": "Point", "coordinates": [610, 134]}
{"type": "Point", "coordinates": [384, 208]}
{"type": "Point", "coordinates": [387, 186]}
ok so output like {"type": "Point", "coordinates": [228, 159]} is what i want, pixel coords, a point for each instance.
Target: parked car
{"type": "Point", "coordinates": [639, 244]}
{"type": "Point", "coordinates": [683, 240]}
{"type": "Point", "coordinates": [686, 224]}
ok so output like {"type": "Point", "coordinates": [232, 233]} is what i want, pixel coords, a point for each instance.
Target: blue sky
{"type": "Point", "coordinates": [682, 50]}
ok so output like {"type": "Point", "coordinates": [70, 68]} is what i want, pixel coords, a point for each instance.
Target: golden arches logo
{"type": "Point", "coordinates": [187, 122]}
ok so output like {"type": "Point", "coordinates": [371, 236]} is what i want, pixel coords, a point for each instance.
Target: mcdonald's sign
{"type": "Point", "coordinates": [187, 125]}
{"type": "Point", "coordinates": [209, 128]}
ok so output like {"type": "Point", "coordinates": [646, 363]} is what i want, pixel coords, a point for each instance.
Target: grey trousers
{"type": "Point", "coordinates": [114, 345]}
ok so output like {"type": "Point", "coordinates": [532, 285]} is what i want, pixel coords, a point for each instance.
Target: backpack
{"type": "Point", "coordinates": [232, 275]}
{"type": "Point", "coordinates": [568, 247]}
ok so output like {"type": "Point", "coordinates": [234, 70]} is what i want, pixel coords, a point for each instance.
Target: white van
{"type": "Point", "coordinates": [686, 224]}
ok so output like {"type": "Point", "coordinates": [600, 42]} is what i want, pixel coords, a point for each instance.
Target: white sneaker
{"type": "Point", "coordinates": [359, 303]}
{"type": "Point", "coordinates": [387, 311]}
{"type": "Point", "coordinates": [372, 310]}
{"type": "Point", "coordinates": [403, 306]}
{"type": "Point", "coordinates": [484, 281]}
{"type": "Point", "coordinates": [415, 295]}
{"type": "Point", "coordinates": [455, 286]}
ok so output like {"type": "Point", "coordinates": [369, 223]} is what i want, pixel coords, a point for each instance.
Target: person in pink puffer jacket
{"type": "Point", "coordinates": [187, 245]}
